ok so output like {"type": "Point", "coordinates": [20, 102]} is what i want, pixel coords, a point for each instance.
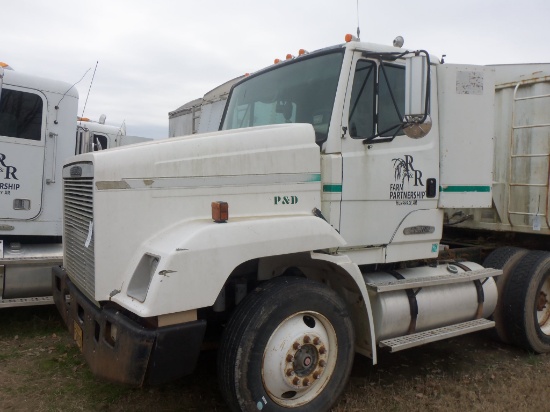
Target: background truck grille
{"type": "Point", "coordinates": [78, 218]}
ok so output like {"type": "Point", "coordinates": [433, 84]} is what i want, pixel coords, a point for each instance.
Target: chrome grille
{"type": "Point", "coordinates": [78, 216]}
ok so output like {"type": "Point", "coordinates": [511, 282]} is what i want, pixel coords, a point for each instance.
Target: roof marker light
{"type": "Point", "coordinates": [350, 37]}
{"type": "Point", "coordinates": [301, 52]}
{"type": "Point", "coordinates": [276, 61]}
{"type": "Point", "coordinates": [289, 56]}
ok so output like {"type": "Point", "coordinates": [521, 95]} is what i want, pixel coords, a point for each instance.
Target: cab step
{"type": "Point", "coordinates": [434, 335]}
{"type": "Point", "coordinates": [12, 303]}
{"type": "Point", "coordinates": [389, 286]}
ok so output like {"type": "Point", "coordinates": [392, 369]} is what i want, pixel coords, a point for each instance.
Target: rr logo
{"type": "Point", "coordinates": [404, 169]}
{"type": "Point", "coordinates": [10, 170]}
{"type": "Point", "coordinates": [285, 200]}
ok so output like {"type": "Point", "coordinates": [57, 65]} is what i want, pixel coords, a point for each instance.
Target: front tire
{"type": "Point", "coordinates": [289, 345]}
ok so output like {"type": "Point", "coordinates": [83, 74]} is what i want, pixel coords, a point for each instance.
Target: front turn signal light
{"type": "Point", "coordinates": [220, 212]}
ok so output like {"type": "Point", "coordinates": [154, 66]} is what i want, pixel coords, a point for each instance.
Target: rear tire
{"type": "Point", "coordinates": [506, 259]}
{"type": "Point", "coordinates": [288, 346]}
{"type": "Point", "coordinates": [527, 302]}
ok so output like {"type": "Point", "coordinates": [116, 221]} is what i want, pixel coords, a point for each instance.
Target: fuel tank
{"type": "Point", "coordinates": [401, 312]}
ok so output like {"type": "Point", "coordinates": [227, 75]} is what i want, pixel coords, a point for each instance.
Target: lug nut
{"type": "Point", "coordinates": [322, 350]}
{"type": "Point", "coordinates": [306, 382]}
{"type": "Point", "coordinates": [289, 358]}
{"type": "Point", "coordinates": [296, 345]}
{"type": "Point", "coordinates": [316, 375]}
{"type": "Point", "coordinates": [316, 341]}
{"type": "Point", "coordinates": [289, 372]}
{"type": "Point", "coordinates": [322, 363]}
{"type": "Point", "coordinates": [296, 381]}
{"type": "Point", "coordinates": [307, 339]}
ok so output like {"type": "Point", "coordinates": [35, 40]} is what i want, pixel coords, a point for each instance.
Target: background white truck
{"type": "Point", "coordinates": [309, 228]}
{"type": "Point", "coordinates": [37, 133]}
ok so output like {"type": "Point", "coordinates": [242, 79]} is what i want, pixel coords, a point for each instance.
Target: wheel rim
{"type": "Point", "coordinates": [543, 306]}
{"type": "Point", "coordinates": [299, 359]}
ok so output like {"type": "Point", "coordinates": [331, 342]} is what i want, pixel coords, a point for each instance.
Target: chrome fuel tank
{"type": "Point", "coordinates": [437, 306]}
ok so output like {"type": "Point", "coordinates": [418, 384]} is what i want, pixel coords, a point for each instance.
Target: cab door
{"type": "Point", "coordinates": [22, 147]}
{"type": "Point", "coordinates": [386, 175]}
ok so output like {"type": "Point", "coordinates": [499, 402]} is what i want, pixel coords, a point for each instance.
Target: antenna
{"type": "Point", "coordinates": [358, 30]}
{"type": "Point", "coordinates": [62, 97]}
{"type": "Point", "coordinates": [89, 89]}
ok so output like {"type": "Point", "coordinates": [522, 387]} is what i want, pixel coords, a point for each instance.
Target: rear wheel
{"type": "Point", "coordinates": [289, 345]}
{"type": "Point", "coordinates": [527, 302]}
{"type": "Point", "coordinates": [505, 258]}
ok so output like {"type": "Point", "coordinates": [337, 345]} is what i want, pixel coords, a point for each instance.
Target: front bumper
{"type": "Point", "coordinates": [135, 355]}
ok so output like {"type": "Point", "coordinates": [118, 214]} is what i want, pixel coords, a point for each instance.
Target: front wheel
{"type": "Point", "coordinates": [289, 345]}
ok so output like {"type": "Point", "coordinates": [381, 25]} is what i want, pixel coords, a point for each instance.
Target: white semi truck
{"type": "Point", "coordinates": [310, 226]}
{"type": "Point", "coordinates": [38, 132]}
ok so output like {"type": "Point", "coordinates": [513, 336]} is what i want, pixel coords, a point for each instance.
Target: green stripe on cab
{"type": "Point", "coordinates": [465, 189]}
{"type": "Point", "coordinates": [332, 188]}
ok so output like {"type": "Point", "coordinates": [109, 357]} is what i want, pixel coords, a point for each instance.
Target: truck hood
{"type": "Point", "coordinates": [224, 153]}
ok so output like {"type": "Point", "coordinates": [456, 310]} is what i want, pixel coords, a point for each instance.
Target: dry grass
{"type": "Point", "coordinates": [41, 370]}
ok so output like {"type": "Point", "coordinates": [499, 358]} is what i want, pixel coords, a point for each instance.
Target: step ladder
{"type": "Point", "coordinates": [538, 190]}
{"type": "Point", "coordinates": [434, 335]}
{"type": "Point", "coordinates": [389, 286]}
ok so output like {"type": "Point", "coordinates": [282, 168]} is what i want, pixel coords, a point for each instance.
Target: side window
{"type": "Point", "coordinates": [20, 114]}
{"type": "Point", "coordinates": [392, 81]}
{"type": "Point", "coordinates": [377, 114]}
{"type": "Point", "coordinates": [100, 142]}
{"type": "Point", "coordinates": [362, 108]}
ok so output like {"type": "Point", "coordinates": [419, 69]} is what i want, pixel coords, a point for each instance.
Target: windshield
{"type": "Point", "coordinates": [300, 92]}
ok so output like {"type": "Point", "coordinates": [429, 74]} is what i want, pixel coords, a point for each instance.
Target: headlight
{"type": "Point", "coordinates": [139, 284]}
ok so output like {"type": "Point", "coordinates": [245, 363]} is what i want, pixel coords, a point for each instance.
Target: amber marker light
{"type": "Point", "coordinates": [220, 212]}
{"type": "Point", "coordinates": [350, 37]}
{"type": "Point", "coordinates": [301, 52]}
{"type": "Point", "coordinates": [276, 61]}
{"type": "Point", "coordinates": [289, 56]}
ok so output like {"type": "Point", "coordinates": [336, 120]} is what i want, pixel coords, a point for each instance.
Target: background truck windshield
{"type": "Point", "coordinates": [300, 92]}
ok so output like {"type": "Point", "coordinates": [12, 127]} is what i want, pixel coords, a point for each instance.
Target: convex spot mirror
{"type": "Point", "coordinates": [417, 122]}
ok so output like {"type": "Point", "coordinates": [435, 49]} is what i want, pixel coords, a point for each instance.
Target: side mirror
{"type": "Point", "coordinates": [417, 122]}
{"type": "Point", "coordinates": [88, 142]}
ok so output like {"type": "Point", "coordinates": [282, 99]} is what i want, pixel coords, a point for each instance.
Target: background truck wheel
{"type": "Point", "coordinates": [505, 258]}
{"type": "Point", "coordinates": [289, 345]}
{"type": "Point", "coordinates": [526, 302]}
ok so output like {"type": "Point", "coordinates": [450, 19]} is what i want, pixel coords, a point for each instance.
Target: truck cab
{"type": "Point", "coordinates": [37, 129]}
{"type": "Point", "coordinates": [306, 229]}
